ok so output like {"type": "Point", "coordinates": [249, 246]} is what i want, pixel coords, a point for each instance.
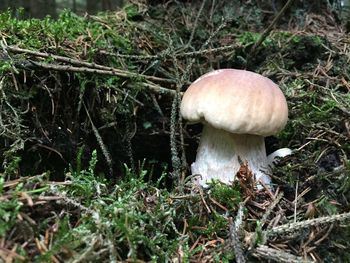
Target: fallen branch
{"type": "Point", "coordinates": [278, 255]}
{"type": "Point", "coordinates": [84, 66]}
{"type": "Point", "coordinates": [154, 88]}
{"type": "Point", "coordinates": [165, 55]}
{"type": "Point", "coordinates": [109, 71]}
{"type": "Point", "coordinates": [235, 242]}
{"type": "Point", "coordinates": [95, 69]}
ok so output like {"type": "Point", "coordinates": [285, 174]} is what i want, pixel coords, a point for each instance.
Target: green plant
{"type": "Point", "coordinates": [9, 209]}
{"type": "Point", "coordinates": [226, 195]}
{"type": "Point", "coordinates": [84, 183]}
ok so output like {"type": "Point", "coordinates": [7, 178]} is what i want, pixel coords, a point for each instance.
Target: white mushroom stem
{"type": "Point", "coordinates": [218, 152]}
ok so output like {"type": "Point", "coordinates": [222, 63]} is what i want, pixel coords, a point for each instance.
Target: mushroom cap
{"type": "Point", "coordinates": [237, 101]}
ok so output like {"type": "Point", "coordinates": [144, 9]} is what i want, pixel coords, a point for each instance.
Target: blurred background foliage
{"type": "Point", "coordinates": [41, 8]}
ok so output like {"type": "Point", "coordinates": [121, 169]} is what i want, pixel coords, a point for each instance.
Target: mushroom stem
{"type": "Point", "coordinates": [218, 152]}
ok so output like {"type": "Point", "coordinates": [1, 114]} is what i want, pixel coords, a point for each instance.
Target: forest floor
{"type": "Point", "coordinates": [96, 157]}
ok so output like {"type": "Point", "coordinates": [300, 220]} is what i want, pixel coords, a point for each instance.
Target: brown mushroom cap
{"type": "Point", "coordinates": [237, 101]}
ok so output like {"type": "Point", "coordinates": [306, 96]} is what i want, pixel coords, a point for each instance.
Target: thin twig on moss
{"type": "Point", "coordinates": [129, 135]}
{"type": "Point", "coordinates": [110, 71]}
{"type": "Point", "coordinates": [298, 226]}
{"type": "Point", "coordinates": [163, 55]}
{"type": "Point", "coordinates": [175, 160]}
{"type": "Point", "coordinates": [195, 24]}
{"type": "Point", "coordinates": [175, 111]}
{"type": "Point", "coordinates": [154, 88]}
{"type": "Point", "coordinates": [268, 29]}
{"type": "Point", "coordinates": [270, 208]}
{"type": "Point", "coordinates": [100, 142]}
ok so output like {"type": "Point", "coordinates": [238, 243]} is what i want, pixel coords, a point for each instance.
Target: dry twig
{"type": "Point", "coordinates": [298, 226]}
{"type": "Point", "coordinates": [277, 255]}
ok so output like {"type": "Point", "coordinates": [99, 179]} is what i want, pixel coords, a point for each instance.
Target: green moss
{"type": "Point", "coordinates": [226, 195]}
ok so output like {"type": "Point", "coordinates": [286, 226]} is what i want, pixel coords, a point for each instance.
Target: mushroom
{"type": "Point", "coordinates": [272, 158]}
{"type": "Point", "coordinates": [238, 108]}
